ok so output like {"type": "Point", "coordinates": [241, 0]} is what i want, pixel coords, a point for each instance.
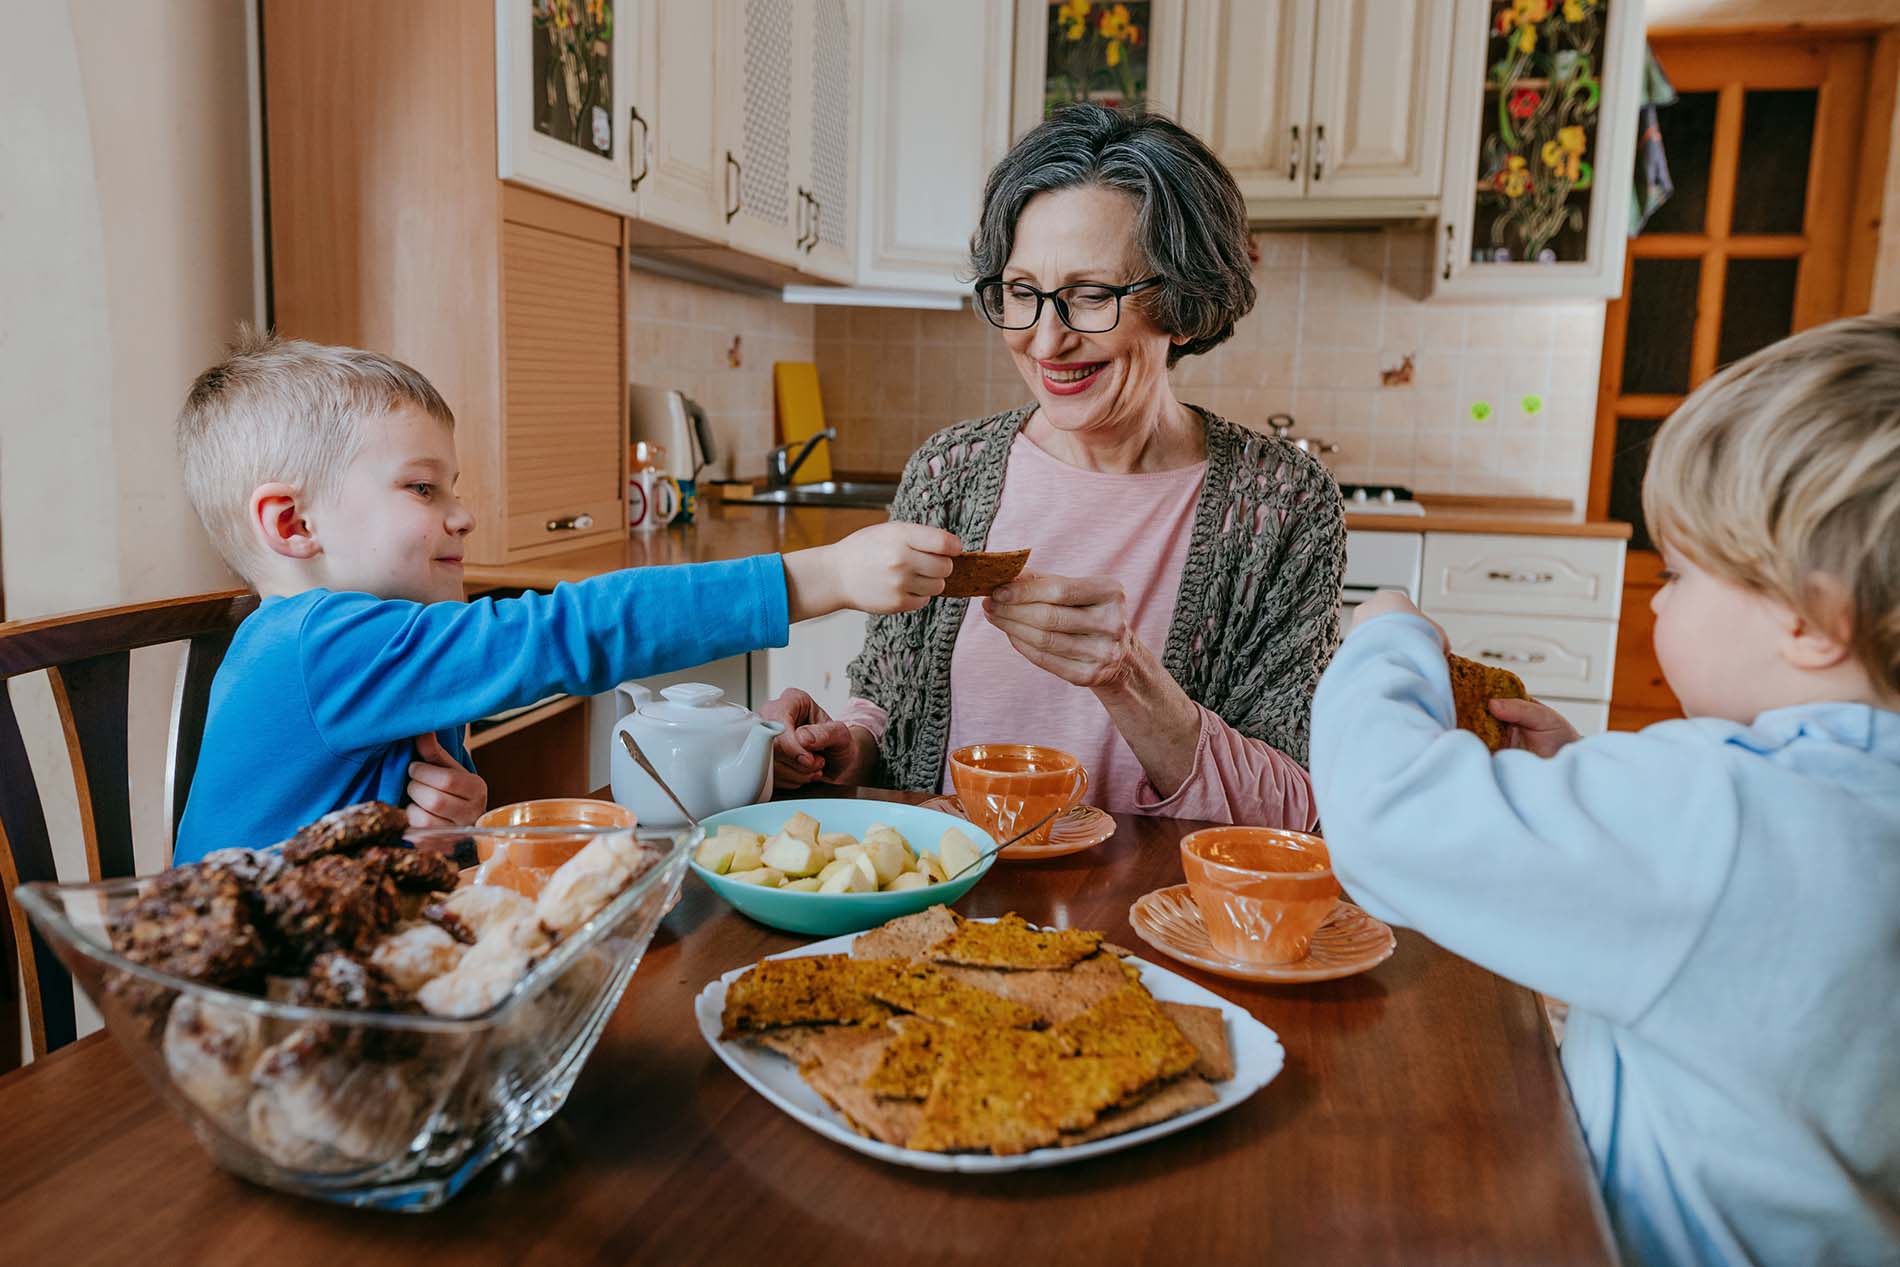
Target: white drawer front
{"type": "Point", "coordinates": [1588, 718]}
{"type": "Point", "coordinates": [1554, 656]}
{"type": "Point", "coordinates": [1554, 576]}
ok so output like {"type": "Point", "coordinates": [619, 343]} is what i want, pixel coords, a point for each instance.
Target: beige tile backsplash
{"type": "Point", "coordinates": [1335, 308]}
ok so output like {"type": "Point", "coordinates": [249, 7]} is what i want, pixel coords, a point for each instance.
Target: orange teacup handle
{"type": "Point", "coordinates": [1081, 787]}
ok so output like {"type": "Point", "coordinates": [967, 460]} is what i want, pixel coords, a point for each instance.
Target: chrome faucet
{"type": "Point", "coordinates": [780, 467]}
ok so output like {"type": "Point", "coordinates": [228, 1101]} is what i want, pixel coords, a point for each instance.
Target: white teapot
{"type": "Point", "coordinates": [715, 754]}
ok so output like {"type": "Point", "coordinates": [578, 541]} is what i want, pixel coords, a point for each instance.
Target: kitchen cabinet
{"type": "Point", "coordinates": [756, 73]}
{"type": "Point", "coordinates": [1540, 149]}
{"type": "Point", "coordinates": [566, 97]}
{"type": "Point", "coordinates": [939, 71]}
{"type": "Point", "coordinates": [1116, 54]}
{"type": "Point", "coordinates": [1546, 608]}
{"type": "Point", "coordinates": [815, 660]}
{"type": "Point", "coordinates": [1322, 110]}
{"type": "Point", "coordinates": [682, 185]}
{"type": "Point", "coordinates": [826, 73]}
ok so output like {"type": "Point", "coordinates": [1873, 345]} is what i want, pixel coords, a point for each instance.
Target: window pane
{"type": "Point", "coordinates": [1688, 135]}
{"type": "Point", "coordinates": [1633, 438]}
{"type": "Point", "coordinates": [1771, 170]}
{"type": "Point", "coordinates": [1757, 306]}
{"type": "Point", "coordinates": [1661, 329]}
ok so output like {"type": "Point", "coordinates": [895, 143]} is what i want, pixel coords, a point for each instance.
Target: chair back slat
{"type": "Point", "coordinates": [87, 659]}
{"type": "Point", "coordinates": [94, 708]}
{"type": "Point", "coordinates": [26, 856]}
{"type": "Point", "coordinates": [189, 711]}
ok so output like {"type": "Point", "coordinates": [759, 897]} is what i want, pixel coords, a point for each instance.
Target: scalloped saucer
{"type": "Point", "coordinates": [1081, 827]}
{"type": "Point", "coordinates": [1349, 942]}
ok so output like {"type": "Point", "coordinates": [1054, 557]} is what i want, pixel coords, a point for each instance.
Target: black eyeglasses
{"type": "Point", "coordinates": [1084, 307]}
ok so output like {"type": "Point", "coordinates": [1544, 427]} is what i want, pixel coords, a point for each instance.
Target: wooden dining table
{"type": "Point", "coordinates": [1421, 1118]}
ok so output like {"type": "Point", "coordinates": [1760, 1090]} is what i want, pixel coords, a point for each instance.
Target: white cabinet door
{"type": "Point", "coordinates": [1249, 95]}
{"type": "Point", "coordinates": [565, 94]}
{"type": "Point", "coordinates": [757, 123]}
{"type": "Point", "coordinates": [934, 116]}
{"type": "Point", "coordinates": [683, 184]}
{"type": "Point", "coordinates": [825, 140]}
{"type": "Point", "coordinates": [1495, 223]}
{"type": "Point", "coordinates": [1379, 87]}
{"type": "Point", "coordinates": [1082, 46]}
{"type": "Point", "coordinates": [815, 660]}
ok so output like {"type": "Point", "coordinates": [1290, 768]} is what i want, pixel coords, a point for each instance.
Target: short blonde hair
{"type": "Point", "coordinates": [283, 410]}
{"type": "Point", "coordinates": [1782, 474]}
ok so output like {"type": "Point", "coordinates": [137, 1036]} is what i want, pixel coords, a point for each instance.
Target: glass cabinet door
{"type": "Point", "coordinates": [569, 122]}
{"type": "Point", "coordinates": [1124, 52]}
{"type": "Point", "coordinates": [1538, 168]}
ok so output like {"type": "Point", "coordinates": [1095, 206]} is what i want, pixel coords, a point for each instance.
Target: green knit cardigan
{"type": "Point", "coordinates": [1255, 621]}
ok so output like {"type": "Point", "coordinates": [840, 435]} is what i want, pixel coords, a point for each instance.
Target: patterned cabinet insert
{"type": "Point", "coordinates": [763, 216]}
{"type": "Point", "coordinates": [1538, 155]}
{"type": "Point", "coordinates": [825, 146]}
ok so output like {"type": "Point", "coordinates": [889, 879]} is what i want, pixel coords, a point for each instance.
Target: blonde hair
{"type": "Point", "coordinates": [283, 410]}
{"type": "Point", "coordinates": [1782, 474]}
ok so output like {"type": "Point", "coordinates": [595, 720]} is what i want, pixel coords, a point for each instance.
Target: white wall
{"type": "Point", "coordinates": [125, 263]}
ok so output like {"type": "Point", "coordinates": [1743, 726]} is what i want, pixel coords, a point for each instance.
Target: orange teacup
{"type": "Point", "coordinates": [524, 865]}
{"type": "Point", "coordinates": [1262, 892]}
{"type": "Point", "coordinates": [1005, 787]}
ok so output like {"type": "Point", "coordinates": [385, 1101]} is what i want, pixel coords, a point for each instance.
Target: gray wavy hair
{"type": "Point", "coordinates": [1191, 219]}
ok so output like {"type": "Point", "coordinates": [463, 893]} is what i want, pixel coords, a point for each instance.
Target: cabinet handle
{"type": "Point", "coordinates": [573, 523]}
{"type": "Point", "coordinates": [804, 201]}
{"type": "Point", "coordinates": [1293, 162]}
{"type": "Point", "coordinates": [1450, 237]}
{"type": "Point", "coordinates": [1520, 578]}
{"type": "Point", "coordinates": [733, 169]}
{"type": "Point", "coordinates": [1319, 151]}
{"type": "Point", "coordinates": [646, 160]}
{"type": "Point", "coordinates": [1512, 657]}
{"type": "Point", "coordinates": [817, 209]}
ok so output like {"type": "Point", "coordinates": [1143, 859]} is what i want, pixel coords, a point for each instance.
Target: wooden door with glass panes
{"type": "Point", "coordinates": [1764, 149]}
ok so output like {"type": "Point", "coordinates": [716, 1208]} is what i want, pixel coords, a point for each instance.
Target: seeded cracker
{"type": "Point", "coordinates": [842, 1057]}
{"type": "Point", "coordinates": [1009, 1091]}
{"type": "Point", "coordinates": [1129, 1024]}
{"type": "Point", "coordinates": [908, 937]}
{"type": "Point", "coordinates": [806, 990]}
{"type": "Point", "coordinates": [1012, 942]}
{"type": "Point", "coordinates": [1206, 1028]}
{"type": "Point", "coordinates": [1473, 686]}
{"type": "Point", "coordinates": [932, 994]}
{"type": "Point", "coordinates": [909, 1062]}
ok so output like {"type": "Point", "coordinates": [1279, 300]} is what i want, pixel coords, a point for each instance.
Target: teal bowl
{"type": "Point", "coordinates": [829, 914]}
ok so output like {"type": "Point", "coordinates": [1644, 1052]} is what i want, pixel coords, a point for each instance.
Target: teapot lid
{"type": "Point", "coordinates": [695, 704]}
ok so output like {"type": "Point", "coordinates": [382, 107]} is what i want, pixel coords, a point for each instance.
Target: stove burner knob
{"type": "Point", "coordinates": [1388, 497]}
{"type": "Point", "coordinates": [1359, 495]}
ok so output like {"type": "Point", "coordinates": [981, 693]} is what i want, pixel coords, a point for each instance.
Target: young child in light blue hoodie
{"type": "Point", "coordinates": [1718, 898]}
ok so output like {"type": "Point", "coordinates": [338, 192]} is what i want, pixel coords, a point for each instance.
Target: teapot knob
{"type": "Point", "coordinates": [694, 694]}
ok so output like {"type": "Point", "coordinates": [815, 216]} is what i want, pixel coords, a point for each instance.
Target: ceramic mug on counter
{"type": "Point", "coordinates": [653, 499]}
{"type": "Point", "coordinates": [1005, 786]}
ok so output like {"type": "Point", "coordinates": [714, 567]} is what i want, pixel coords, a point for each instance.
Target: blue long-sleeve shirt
{"type": "Point", "coordinates": [1719, 903]}
{"type": "Point", "coordinates": [321, 695]}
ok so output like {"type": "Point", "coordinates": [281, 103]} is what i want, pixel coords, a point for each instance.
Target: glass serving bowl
{"type": "Point", "coordinates": [378, 1109]}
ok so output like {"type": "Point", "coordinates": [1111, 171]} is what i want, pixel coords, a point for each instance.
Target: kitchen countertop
{"type": "Point", "coordinates": [723, 531]}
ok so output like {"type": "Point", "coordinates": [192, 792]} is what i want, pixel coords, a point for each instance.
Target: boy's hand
{"type": "Point", "coordinates": [814, 747]}
{"type": "Point", "coordinates": [894, 567]}
{"type": "Point", "coordinates": [1386, 601]}
{"type": "Point", "coordinates": [441, 793]}
{"type": "Point", "coordinates": [1532, 726]}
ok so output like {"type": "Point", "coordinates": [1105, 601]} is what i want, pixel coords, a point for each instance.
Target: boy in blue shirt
{"type": "Point", "coordinates": [326, 478]}
{"type": "Point", "coordinates": [1718, 897]}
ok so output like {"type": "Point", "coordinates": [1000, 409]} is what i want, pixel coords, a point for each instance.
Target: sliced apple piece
{"type": "Point", "coordinates": [928, 865]}
{"type": "Point", "coordinates": [833, 868]}
{"type": "Point", "coordinates": [747, 854]}
{"type": "Point", "coordinates": [955, 851]}
{"type": "Point", "coordinates": [807, 885]}
{"type": "Point", "coordinates": [867, 872]}
{"type": "Point", "coordinates": [889, 856]}
{"type": "Point", "coordinates": [801, 826]}
{"type": "Point", "coordinates": [764, 877]}
{"type": "Point", "coordinates": [795, 856]}
{"type": "Point", "coordinates": [851, 878]}
{"type": "Point", "coordinates": [715, 853]}
{"type": "Point", "coordinates": [836, 839]}
{"type": "Point", "coordinates": [909, 880]}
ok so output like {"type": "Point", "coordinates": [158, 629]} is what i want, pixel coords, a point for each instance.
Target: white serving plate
{"type": "Point", "coordinates": [1258, 1059]}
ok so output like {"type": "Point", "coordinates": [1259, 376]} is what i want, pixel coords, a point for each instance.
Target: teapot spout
{"type": "Point", "coordinates": [747, 776]}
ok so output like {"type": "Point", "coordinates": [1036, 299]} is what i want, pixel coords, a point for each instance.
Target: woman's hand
{"type": "Point", "coordinates": [1532, 726]}
{"type": "Point", "coordinates": [441, 793]}
{"type": "Point", "coordinates": [1074, 627]}
{"type": "Point", "coordinates": [814, 747]}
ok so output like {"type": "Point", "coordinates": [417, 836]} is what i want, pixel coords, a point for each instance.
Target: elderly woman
{"type": "Point", "coordinates": [1182, 598]}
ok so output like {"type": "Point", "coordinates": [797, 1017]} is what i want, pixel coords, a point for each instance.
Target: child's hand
{"type": "Point", "coordinates": [1386, 601]}
{"type": "Point", "coordinates": [814, 747]}
{"type": "Point", "coordinates": [894, 567]}
{"type": "Point", "coordinates": [441, 793]}
{"type": "Point", "coordinates": [1532, 726]}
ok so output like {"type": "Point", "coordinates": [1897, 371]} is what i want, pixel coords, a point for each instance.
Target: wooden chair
{"type": "Point", "coordinates": [87, 657]}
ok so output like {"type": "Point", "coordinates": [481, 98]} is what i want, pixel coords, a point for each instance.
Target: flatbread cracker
{"type": "Point", "coordinates": [1206, 1028]}
{"type": "Point", "coordinates": [909, 1062]}
{"type": "Point", "coordinates": [907, 937]}
{"type": "Point", "coordinates": [1009, 1091]}
{"type": "Point", "coordinates": [1129, 1025]}
{"type": "Point", "coordinates": [1170, 1099]}
{"type": "Point", "coordinates": [976, 573]}
{"type": "Point", "coordinates": [1056, 994]}
{"type": "Point", "coordinates": [806, 990]}
{"type": "Point", "coordinates": [924, 990]}
{"type": "Point", "coordinates": [1473, 686]}
{"type": "Point", "coordinates": [844, 1057]}
{"type": "Point", "coordinates": [1013, 942]}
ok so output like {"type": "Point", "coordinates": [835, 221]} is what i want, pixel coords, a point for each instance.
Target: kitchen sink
{"type": "Point", "coordinates": [869, 494]}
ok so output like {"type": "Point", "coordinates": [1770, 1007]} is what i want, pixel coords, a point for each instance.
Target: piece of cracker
{"type": "Point", "coordinates": [906, 937]}
{"type": "Point", "coordinates": [922, 989]}
{"type": "Point", "coordinates": [1206, 1028]}
{"type": "Point", "coordinates": [909, 1062]}
{"type": "Point", "coordinates": [1170, 1099]}
{"type": "Point", "coordinates": [1473, 686]}
{"type": "Point", "coordinates": [1013, 942]}
{"type": "Point", "coordinates": [842, 1058]}
{"type": "Point", "coordinates": [1130, 1025]}
{"type": "Point", "coordinates": [976, 573]}
{"type": "Point", "coordinates": [1008, 1091]}
{"type": "Point", "coordinates": [1055, 994]}
{"type": "Point", "coordinates": [805, 990]}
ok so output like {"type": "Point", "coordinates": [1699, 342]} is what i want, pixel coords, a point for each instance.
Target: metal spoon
{"type": "Point", "coordinates": [640, 759]}
{"type": "Point", "coordinates": [991, 853]}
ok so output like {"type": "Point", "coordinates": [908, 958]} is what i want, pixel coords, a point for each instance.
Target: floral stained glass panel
{"type": "Point", "coordinates": [1538, 130]}
{"type": "Point", "coordinates": [1097, 52]}
{"type": "Point", "coordinates": [572, 65]}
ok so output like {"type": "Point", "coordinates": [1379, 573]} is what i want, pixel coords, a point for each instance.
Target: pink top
{"type": "Point", "coordinates": [1135, 528]}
